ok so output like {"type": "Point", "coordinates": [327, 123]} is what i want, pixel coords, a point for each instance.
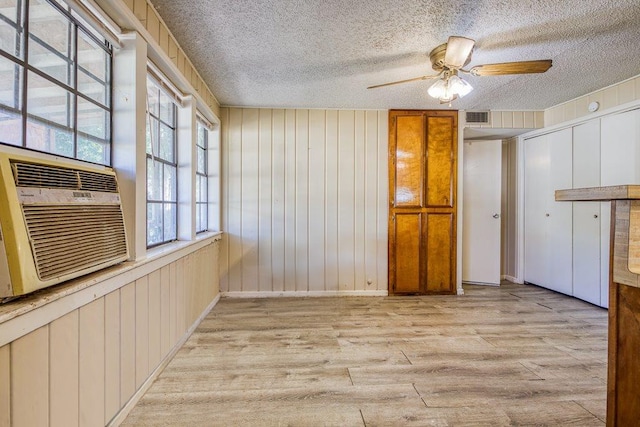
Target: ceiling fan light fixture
{"type": "Point", "coordinates": [438, 89]}
{"type": "Point", "coordinates": [450, 86]}
{"type": "Point", "coordinates": [459, 86]}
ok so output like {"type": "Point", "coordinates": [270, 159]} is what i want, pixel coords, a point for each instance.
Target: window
{"type": "Point", "coordinates": [202, 145]}
{"type": "Point", "coordinates": [162, 166]}
{"type": "Point", "coordinates": [55, 82]}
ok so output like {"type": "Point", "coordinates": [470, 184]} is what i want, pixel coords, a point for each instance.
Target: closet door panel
{"type": "Point", "coordinates": [536, 182]}
{"type": "Point", "coordinates": [586, 215]}
{"type": "Point", "coordinates": [560, 241]}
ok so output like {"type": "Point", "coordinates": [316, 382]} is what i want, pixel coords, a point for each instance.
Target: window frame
{"type": "Point", "coordinates": [156, 158]}
{"type": "Point", "coordinates": [20, 59]}
{"type": "Point", "coordinates": [202, 177]}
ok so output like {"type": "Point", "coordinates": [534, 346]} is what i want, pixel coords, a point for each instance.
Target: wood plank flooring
{"type": "Point", "coordinates": [513, 355]}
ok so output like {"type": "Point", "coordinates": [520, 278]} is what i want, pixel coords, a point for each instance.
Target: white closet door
{"type": "Point", "coordinates": [586, 215]}
{"type": "Point", "coordinates": [536, 183]}
{"type": "Point", "coordinates": [619, 165]}
{"type": "Point", "coordinates": [560, 242]}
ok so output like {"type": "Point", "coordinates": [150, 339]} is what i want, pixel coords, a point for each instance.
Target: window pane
{"type": "Point", "coordinates": [166, 143]}
{"type": "Point", "coordinates": [50, 41]}
{"type": "Point", "coordinates": [93, 120]}
{"type": "Point", "coordinates": [93, 150]}
{"type": "Point", "coordinates": [154, 180]}
{"type": "Point", "coordinates": [152, 136]}
{"type": "Point", "coordinates": [10, 32]}
{"type": "Point", "coordinates": [153, 98]}
{"type": "Point", "coordinates": [93, 69]}
{"type": "Point", "coordinates": [201, 159]}
{"type": "Point", "coordinates": [154, 223]}
{"type": "Point", "coordinates": [203, 217]}
{"type": "Point", "coordinates": [170, 184]}
{"type": "Point", "coordinates": [50, 121]}
{"type": "Point", "coordinates": [170, 222]}
{"type": "Point", "coordinates": [10, 102]}
{"type": "Point", "coordinates": [198, 184]}
{"type": "Point", "coordinates": [166, 109]}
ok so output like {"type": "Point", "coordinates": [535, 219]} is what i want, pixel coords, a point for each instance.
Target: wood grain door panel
{"type": "Point", "coordinates": [422, 212]}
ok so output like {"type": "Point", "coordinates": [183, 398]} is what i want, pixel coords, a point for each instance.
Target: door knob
{"type": "Point", "coordinates": [595, 216]}
{"type": "Point", "coordinates": [546, 214]}
{"type": "Point", "coordinates": [496, 216]}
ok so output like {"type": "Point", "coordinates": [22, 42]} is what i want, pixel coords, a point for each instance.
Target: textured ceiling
{"type": "Point", "coordinates": [324, 53]}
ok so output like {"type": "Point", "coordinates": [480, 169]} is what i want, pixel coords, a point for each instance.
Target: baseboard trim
{"type": "Point", "coordinates": [302, 294]}
{"type": "Point", "coordinates": [512, 279]}
{"type": "Point", "coordinates": [468, 282]}
{"type": "Point", "coordinates": [126, 409]}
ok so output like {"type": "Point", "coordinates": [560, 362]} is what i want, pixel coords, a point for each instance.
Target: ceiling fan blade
{"type": "Point", "coordinates": [458, 51]}
{"type": "Point", "coordinates": [405, 81]}
{"type": "Point", "coordinates": [522, 67]}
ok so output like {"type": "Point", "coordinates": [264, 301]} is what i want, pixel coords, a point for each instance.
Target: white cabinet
{"type": "Point", "coordinates": [547, 223]}
{"type": "Point", "coordinates": [620, 165]}
{"type": "Point", "coordinates": [586, 215]}
{"type": "Point", "coordinates": [566, 245]}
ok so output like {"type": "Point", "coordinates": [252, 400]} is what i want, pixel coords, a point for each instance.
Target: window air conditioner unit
{"type": "Point", "coordinates": [57, 222]}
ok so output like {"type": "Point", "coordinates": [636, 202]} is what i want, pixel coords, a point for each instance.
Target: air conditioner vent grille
{"type": "Point", "coordinates": [68, 239]}
{"type": "Point", "coordinates": [45, 176]}
{"type": "Point", "coordinates": [477, 117]}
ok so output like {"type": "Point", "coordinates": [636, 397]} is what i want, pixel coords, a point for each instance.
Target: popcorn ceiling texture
{"type": "Point", "coordinates": [323, 54]}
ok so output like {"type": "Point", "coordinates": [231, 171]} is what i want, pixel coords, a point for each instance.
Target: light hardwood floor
{"type": "Point", "coordinates": [513, 355]}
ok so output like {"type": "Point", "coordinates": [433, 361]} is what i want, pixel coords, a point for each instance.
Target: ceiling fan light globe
{"type": "Point", "coordinates": [462, 87]}
{"type": "Point", "coordinates": [437, 89]}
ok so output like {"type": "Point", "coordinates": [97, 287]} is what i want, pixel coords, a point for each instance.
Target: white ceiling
{"type": "Point", "coordinates": [324, 53]}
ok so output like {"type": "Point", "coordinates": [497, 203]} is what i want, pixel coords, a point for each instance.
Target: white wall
{"type": "Point", "coordinates": [304, 201]}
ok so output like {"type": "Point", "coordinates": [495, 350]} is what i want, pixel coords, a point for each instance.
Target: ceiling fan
{"type": "Point", "coordinates": [448, 60]}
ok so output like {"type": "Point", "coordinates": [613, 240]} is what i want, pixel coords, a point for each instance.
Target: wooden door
{"type": "Point", "coordinates": [422, 214]}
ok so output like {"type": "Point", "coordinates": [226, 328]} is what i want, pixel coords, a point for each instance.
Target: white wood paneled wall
{"type": "Point", "coordinates": [305, 200]}
{"type": "Point", "coordinates": [82, 368]}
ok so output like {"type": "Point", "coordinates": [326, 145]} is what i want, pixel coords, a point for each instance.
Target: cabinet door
{"type": "Point", "coordinates": [619, 165]}
{"type": "Point", "coordinates": [536, 186]}
{"type": "Point", "coordinates": [560, 241]}
{"type": "Point", "coordinates": [586, 215]}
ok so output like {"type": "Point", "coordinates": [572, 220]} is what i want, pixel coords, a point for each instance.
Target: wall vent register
{"type": "Point", "coordinates": [477, 117]}
{"type": "Point", "coordinates": [59, 222]}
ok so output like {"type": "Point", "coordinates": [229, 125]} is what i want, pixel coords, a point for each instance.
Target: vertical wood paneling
{"type": "Point", "coordinates": [84, 366]}
{"type": "Point", "coordinates": [234, 196]}
{"type": "Point", "coordinates": [383, 199]}
{"type": "Point", "coordinates": [165, 310]}
{"type": "Point", "coordinates": [63, 371]}
{"type": "Point", "coordinates": [331, 202]}
{"type": "Point", "coordinates": [371, 199]}
{"type": "Point", "coordinates": [142, 330]}
{"type": "Point", "coordinates": [30, 379]}
{"type": "Point", "coordinates": [127, 341]}
{"type": "Point", "coordinates": [111, 355]}
{"type": "Point", "coordinates": [310, 188]}
{"type": "Point", "coordinates": [346, 204]}
{"type": "Point", "coordinates": [302, 201]}
{"type": "Point", "coordinates": [317, 135]}
{"type": "Point", "coordinates": [91, 372]}
{"type": "Point", "coordinates": [5, 386]}
{"type": "Point", "coordinates": [180, 299]}
{"type": "Point", "coordinates": [359, 187]}
{"type": "Point", "coordinates": [224, 198]}
{"type": "Point", "coordinates": [173, 298]}
{"type": "Point", "coordinates": [154, 320]}
{"type": "Point", "coordinates": [290, 187]}
{"type": "Point", "coordinates": [265, 206]}
{"type": "Point", "coordinates": [250, 197]}
{"type": "Point", "coordinates": [277, 202]}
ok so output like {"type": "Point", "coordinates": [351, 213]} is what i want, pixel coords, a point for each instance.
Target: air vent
{"type": "Point", "coordinates": [46, 176]}
{"type": "Point", "coordinates": [67, 239]}
{"type": "Point", "coordinates": [478, 117]}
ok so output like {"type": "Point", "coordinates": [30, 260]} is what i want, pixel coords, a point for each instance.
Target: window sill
{"type": "Point", "coordinates": [108, 279]}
